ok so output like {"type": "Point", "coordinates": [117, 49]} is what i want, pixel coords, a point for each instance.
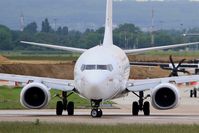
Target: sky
{"type": "Point", "coordinates": [81, 14]}
{"type": "Point", "coordinates": [158, 0]}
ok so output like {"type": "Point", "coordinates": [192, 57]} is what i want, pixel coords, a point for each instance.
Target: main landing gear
{"type": "Point", "coordinates": [141, 105]}
{"type": "Point", "coordinates": [64, 105]}
{"type": "Point", "coordinates": [193, 93]}
{"type": "Point", "coordinates": [96, 111]}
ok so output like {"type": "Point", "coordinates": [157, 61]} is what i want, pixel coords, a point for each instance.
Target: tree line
{"type": "Point", "coordinates": [125, 36]}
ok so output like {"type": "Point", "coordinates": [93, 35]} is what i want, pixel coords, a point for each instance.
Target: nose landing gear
{"type": "Point", "coordinates": [96, 111]}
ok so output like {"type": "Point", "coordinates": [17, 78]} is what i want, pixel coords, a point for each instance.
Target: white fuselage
{"type": "Point", "coordinates": [101, 73]}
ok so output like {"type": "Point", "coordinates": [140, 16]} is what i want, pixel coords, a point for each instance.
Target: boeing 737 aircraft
{"type": "Point", "coordinates": [101, 73]}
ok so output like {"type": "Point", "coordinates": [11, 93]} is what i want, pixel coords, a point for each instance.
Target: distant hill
{"type": "Point", "coordinates": [81, 14]}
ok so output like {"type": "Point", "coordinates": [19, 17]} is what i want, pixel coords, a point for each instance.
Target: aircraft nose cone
{"type": "Point", "coordinates": [95, 80]}
{"type": "Point", "coordinates": [95, 85]}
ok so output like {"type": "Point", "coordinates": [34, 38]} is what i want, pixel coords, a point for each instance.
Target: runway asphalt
{"type": "Point", "coordinates": [186, 113]}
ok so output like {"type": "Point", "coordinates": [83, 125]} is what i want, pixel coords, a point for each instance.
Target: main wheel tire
{"type": "Point", "coordinates": [59, 108]}
{"type": "Point", "coordinates": [135, 108]}
{"type": "Point", "coordinates": [70, 108]}
{"type": "Point", "coordinates": [94, 113]}
{"type": "Point", "coordinates": [191, 93]}
{"type": "Point", "coordinates": [195, 93]}
{"type": "Point", "coordinates": [146, 108]}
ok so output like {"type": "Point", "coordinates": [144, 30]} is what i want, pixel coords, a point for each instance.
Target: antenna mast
{"type": "Point", "coordinates": [21, 22]}
{"type": "Point", "coordinates": [152, 28]}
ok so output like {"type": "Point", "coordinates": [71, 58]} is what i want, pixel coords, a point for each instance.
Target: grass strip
{"type": "Point", "coordinates": [39, 127]}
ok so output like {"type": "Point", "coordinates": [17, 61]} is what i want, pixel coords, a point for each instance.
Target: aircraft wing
{"type": "Point", "coordinates": [58, 84]}
{"type": "Point", "coordinates": [142, 50]}
{"type": "Point", "coordinates": [71, 49]}
{"type": "Point", "coordinates": [148, 84]}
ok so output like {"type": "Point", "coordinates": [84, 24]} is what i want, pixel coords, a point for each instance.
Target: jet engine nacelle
{"type": "Point", "coordinates": [165, 96]}
{"type": "Point", "coordinates": [35, 96]}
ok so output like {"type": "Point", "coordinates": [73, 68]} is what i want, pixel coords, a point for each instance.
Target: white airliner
{"type": "Point", "coordinates": [101, 73]}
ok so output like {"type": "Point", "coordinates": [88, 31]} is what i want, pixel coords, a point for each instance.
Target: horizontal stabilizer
{"type": "Point", "coordinates": [71, 49]}
{"type": "Point", "coordinates": [142, 50]}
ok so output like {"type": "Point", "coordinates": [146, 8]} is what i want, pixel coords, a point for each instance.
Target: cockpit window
{"type": "Point", "coordinates": [110, 67]}
{"type": "Point", "coordinates": [97, 67]}
{"type": "Point", "coordinates": [90, 67]}
{"type": "Point", "coordinates": [102, 67]}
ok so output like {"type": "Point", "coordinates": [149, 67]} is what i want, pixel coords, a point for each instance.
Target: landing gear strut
{"type": "Point", "coordinates": [193, 92]}
{"type": "Point", "coordinates": [141, 105]}
{"type": "Point", "coordinates": [96, 111]}
{"type": "Point", "coordinates": [64, 105]}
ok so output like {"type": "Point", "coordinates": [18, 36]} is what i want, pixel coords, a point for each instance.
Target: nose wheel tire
{"type": "Point", "coordinates": [100, 113]}
{"type": "Point", "coordinates": [59, 108]}
{"type": "Point", "coordinates": [96, 113]}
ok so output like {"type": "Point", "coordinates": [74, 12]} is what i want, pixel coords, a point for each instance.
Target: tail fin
{"type": "Point", "coordinates": [108, 35]}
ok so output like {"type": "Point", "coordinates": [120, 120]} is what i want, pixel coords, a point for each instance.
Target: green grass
{"type": "Point", "coordinates": [39, 55]}
{"type": "Point", "coordinates": [43, 57]}
{"type": "Point", "coordinates": [62, 56]}
{"type": "Point", "coordinates": [52, 58]}
{"type": "Point", "coordinates": [10, 99]}
{"type": "Point", "coordinates": [37, 127]}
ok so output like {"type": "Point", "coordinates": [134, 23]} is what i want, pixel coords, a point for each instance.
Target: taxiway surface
{"type": "Point", "coordinates": [186, 113]}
